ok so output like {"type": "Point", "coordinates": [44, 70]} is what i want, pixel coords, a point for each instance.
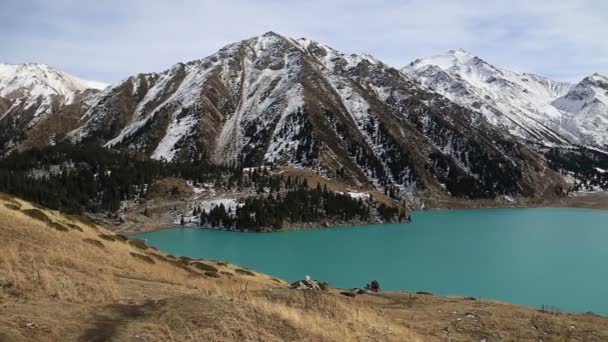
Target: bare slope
{"type": "Point", "coordinates": [62, 278]}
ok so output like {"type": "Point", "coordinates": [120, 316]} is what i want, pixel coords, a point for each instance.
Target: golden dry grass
{"type": "Point", "coordinates": [54, 286]}
{"type": "Point", "coordinates": [113, 283]}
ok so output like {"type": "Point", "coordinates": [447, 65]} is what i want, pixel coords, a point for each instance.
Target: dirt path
{"type": "Point", "coordinates": [111, 318]}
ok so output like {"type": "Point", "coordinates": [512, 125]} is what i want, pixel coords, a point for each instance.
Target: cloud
{"type": "Point", "coordinates": [110, 40]}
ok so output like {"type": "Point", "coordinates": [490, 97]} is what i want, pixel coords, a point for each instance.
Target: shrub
{"type": "Point", "coordinates": [212, 274]}
{"type": "Point", "coordinates": [144, 258]}
{"type": "Point", "coordinates": [74, 226]}
{"type": "Point", "coordinates": [181, 265]}
{"type": "Point", "coordinates": [204, 267]}
{"type": "Point", "coordinates": [12, 206]}
{"type": "Point", "coordinates": [121, 237]}
{"type": "Point", "coordinates": [227, 273]}
{"type": "Point", "coordinates": [109, 237]}
{"type": "Point", "coordinates": [58, 226]}
{"type": "Point", "coordinates": [159, 257]}
{"type": "Point", "coordinates": [116, 237]}
{"type": "Point", "coordinates": [138, 243]}
{"type": "Point", "coordinates": [219, 263]}
{"type": "Point", "coordinates": [37, 214]}
{"type": "Point", "coordinates": [424, 293]}
{"type": "Point", "coordinates": [94, 242]}
{"type": "Point", "coordinates": [84, 220]}
{"type": "Point", "coordinates": [8, 198]}
{"type": "Point", "coordinates": [348, 294]}
{"type": "Point", "coordinates": [185, 259]}
{"type": "Point", "coordinates": [37, 206]}
{"type": "Point", "coordinates": [244, 272]}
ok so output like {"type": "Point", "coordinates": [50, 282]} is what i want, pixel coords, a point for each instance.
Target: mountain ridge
{"type": "Point", "coordinates": [272, 99]}
{"type": "Point", "coordinates": [528, 105]}
{"type": "Point", "coordinates": [30, 96]}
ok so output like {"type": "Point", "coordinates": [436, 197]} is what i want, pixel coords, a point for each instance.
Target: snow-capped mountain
{"type": "Point", "coordinates": [588, 103]}
{"type": "Point", "coordinates": [34, 80]}
{"type": "Point", "coordinates": [273, 99]}
{"type": "Point", "coordinates": [519, 102]}
{"type": "Point", "coordinates": [30, 93]}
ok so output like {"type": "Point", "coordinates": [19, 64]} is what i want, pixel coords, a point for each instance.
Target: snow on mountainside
{"type": "Point", "coordinates": [32, 93]}
{"type": "Point", "coordinates": [273, 99]}
{"type": "Point", "coordinates": [519, 102]}
{"type": "Point", "coordinates": [33, 80]}
{"type": "Point", "coordinates": [588, 102]}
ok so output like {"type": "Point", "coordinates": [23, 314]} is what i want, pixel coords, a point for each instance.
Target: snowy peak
{"type": "Point", "coordinates": [469, 68]}
{"type": "Point", "coordinates": [33, 80]}
{"type": "Point", "coordinates": [598, 79]}
{"type": "Point", "coordinates": [33, 93]}
{"type": "Point", "coordinates": [519, 102]}
{"type": "Point", "coordinates": [590, 90]}
{"type": "Point", "coordinates": [272, 99]}
{"type": "Point", "coordinates": [529, 106]}
{"type": "Point", "coordinates": [256, 84]}
{"type": "Point", "coordinates": [587, 106]}
{"type": "Point", "coordinates": [453, 59]}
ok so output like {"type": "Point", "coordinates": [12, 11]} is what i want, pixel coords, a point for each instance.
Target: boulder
{"type": "Point", "coordinates": [306, 284]}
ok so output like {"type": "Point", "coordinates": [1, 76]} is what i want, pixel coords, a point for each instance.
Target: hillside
{"type": "Point", "coordinates": [63, 278]}
{"type": "Point", "coordinates": [123, 188]}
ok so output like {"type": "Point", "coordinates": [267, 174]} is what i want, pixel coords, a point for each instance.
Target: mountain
{"type": "Point", "coordinates": [522, 103]}
{"type": "Point", "coordinates": [35, 80]}
{"type": "Point", "coordinates": [588, 102]}
{"type": "Point", "coordinates": [276, 100]}
{"type": "Point", "coordinates": [30, 93]}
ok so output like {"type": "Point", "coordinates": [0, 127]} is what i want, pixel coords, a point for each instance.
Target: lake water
{"type": "Point", "coordinates": [552, 256]}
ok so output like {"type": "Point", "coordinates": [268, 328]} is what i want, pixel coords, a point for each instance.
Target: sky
{"type": "Point", "coordinates": [113, 39]}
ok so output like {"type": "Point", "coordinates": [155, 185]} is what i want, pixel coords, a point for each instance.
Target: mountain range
{"type": "Point", "coordinates": [535, 108]}
{"type": "Point", "coordinates": [449, 125]}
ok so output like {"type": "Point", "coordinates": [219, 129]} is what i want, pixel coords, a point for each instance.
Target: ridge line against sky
{"type": "Point", "coordinates": [113, 39]}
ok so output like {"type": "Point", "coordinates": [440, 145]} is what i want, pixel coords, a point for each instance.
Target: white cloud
{"type": "Point", "coordinates": [113, 39]}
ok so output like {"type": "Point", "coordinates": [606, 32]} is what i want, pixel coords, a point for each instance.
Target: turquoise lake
{"type": "Point", "coordinates": [552, 256]}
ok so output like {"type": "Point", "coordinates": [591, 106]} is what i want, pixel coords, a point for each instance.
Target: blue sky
{"type": "Point", "coordinates": [112, 39]}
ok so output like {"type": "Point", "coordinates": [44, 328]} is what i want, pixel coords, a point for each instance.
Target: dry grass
{"type": "Point", "coordinates": [96, 271]}
{"type": "Point", "coordinates": [55, 286]}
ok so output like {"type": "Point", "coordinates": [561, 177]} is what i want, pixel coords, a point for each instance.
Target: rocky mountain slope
{"type": "Point", "coordinates": [540, 110]}
{"type": "Point", "coordinates": [588, 102]}
{"type": "Point", "coordinates": [94, 285]}
{"type": "Point", "coordinates": [449, 126]}
{"type": "Point", "coordinates": [273, 99]}
{"type": "Point", "coordinates": [32, 93]}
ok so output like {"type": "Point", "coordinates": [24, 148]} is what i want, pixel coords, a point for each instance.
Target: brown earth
{"type": "Point", "coordinates": [590, 200]}
{"type": "Point", "coordinates": [173, 188]}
